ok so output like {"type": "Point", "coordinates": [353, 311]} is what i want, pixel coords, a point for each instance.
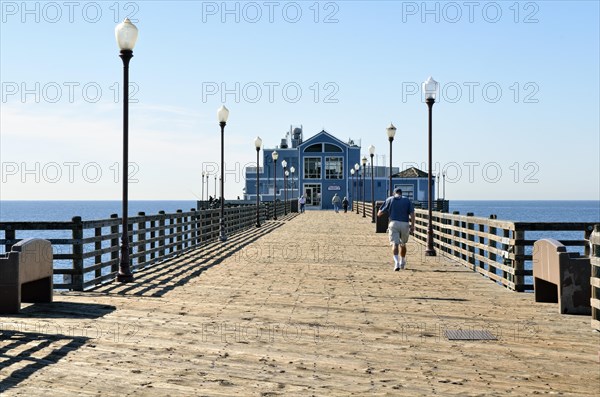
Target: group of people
{"type": "Point", "coordinates": [401, 214]}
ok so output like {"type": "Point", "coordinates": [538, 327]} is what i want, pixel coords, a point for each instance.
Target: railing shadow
{"type": "Point", "coordinates": [70, 310]}
{"type": "Point", "coordinates": [24, 353]}
{"type": "Point", "coordinates": [161, 278]}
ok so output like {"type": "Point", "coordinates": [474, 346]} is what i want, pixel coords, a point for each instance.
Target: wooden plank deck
{"type": "Point", "coordinates": [307, 306]}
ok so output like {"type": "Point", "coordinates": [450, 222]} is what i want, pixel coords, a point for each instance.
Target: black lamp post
{"type": "Point", "coordinates": [364, 172]}
{"type": "Point", "coordinates": [222, 115]}
{"type": "Point", "coordinates": [444, 184]}
{"type": "Point", "coordinates": [126, 34]}
{"type": "Point", "coordinates": [215, 187]}
{"type": "Point", "coordinates": [207, 187]}
{"type": "Point", "coordinates": [352, 176]}
{"type": "Point", "coordinates": [372, 153]}
{"type": "Point", "coordinates": [356, 168]}
{"type": "Point", "coordinates": [430, 88]}
{"type": "Point", "coordinates": [391, 132]}
{"type": "Point", "coordinates": [275, 156]}
{"type": "Point", "coordinates": [202, 194]}
{"type": "Point", "coordinates": [292, 170]}
{"type": "Point", "coordinates": [257, 145]}
{"type": "Point", "coordinates": [285, 174]}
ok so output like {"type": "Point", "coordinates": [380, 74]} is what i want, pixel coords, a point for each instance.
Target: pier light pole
{"type": "Point", "coordinates": [222, 115]}
{"type": "Point", "coordinates": [372, 153]}
{"type": "Point", "coordinates": [364, 166]}
{"type": "Point", "coordinates": [207, 186]}
{"type": "Point", "coordinates": [352, 177]}
{"type": "Point", "coordinates": [215, 186]}
{"type": "Point", "coordinates": [285, 173]}
{"type": "Point", "coordinates": [292, 170]}
{"type": "Point", "coordinates": [275, 156]}
{"type": "Point", "coordinates": [356, 168]}
{"type": "Point", "coordinates": [444, 184]}
{"type": "Point", "coordinates": [391, 132]}
{"type": "Point", "coordinates": [257, 145]}
{"type": "Point", "coordinates": [126, 34]}
{"type": "Point", "coordinates": [430, 87]}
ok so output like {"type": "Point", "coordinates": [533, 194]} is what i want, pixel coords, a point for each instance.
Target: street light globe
{"type": "Point", "coordinates": [287, 173]}
{"type": "Point", "coordinates": [356, 166]}
{"type": "Point", "coordinates": [391, 131]}
{"type": "Point", "coordinates": [352, 171]}
{"type": "Point", "coordinates": [126, 34]}
{"type": "Point", "coordinates": [223, 114]}
{"type": "Point", "coordinates": [372, 150]}
{"type": "Point", "coordinates": [284, 164]}
{"type": "Point", "coordinates": [258, 143]}
{"type": "Point", "coordinates": [430, 88]}
{"type": "Point", "coordinates": [364, 160]}
{"type": "Point", "coordinates": [292, 169]}
{"type": "Point", "coordinates": [275, 155]}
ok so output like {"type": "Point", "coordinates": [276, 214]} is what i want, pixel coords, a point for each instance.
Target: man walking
{"type": "Point", "coordinates": [336, 201]}
{"type": "Point", "coordinates": [399, 209]}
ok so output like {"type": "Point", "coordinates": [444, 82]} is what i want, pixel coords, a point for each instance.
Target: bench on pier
{"type": "Point", "coordinates": [26, 274]}
{"type": "Point", "coordinates": [561, 276]}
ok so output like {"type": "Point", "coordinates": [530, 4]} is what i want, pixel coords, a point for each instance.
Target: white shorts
{"type": "Point", "coordinates": [398, 232]}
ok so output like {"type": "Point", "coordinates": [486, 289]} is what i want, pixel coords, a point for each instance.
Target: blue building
{"type": "Point", "coordinates": [321, 168]}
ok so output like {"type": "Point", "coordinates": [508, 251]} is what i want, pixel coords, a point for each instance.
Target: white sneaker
{"type": "Point", "coordinates": [402, 263]}
{"type": "Point", "coordinates": [397, 267]}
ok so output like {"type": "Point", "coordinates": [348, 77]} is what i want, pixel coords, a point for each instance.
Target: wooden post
{"type": "Point", "coordinates": [481, 263]}
{"type": "Point", "coordinates": [114, 245]}
{"type": "Point", "coordinates": [505, 261]}
{"type": "Point", "coordinates": [471, 237]}
{"type": "Point", "coordinates": [77, 279]}
{"type": "Point", "coordinates": [98, 247]}
{"type": "Point", "coordinates": [141, 239]}
{"type": "Point", "coordinates": [9, 234]}
{"type": "Point", "coordinates": [456, 233]}
{"type": "Point", "coordinates": [161, 234]}
{"type": "Point", "coordinates": [519, 261]}
{"type": "Point", "coordinates": [492, 244]}
{"type": "Point", "coordinates": [193, 228]}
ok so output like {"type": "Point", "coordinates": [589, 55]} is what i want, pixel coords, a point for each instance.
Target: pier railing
{"type": "Point", "coordinates": [500, 250]}
{"type": "Point", "coordinates": [595, 279]}
{"type": "Point", "coordinates": [86, 252]}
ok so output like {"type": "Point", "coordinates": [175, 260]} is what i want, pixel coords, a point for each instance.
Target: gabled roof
{"type": "Point", "coordinates": [411, 172]}
{"type": "Point", "coordinates": [323, 132]}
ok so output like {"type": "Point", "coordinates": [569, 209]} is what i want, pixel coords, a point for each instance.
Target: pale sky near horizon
{"type": "Point", "coordinates": [517, 116]}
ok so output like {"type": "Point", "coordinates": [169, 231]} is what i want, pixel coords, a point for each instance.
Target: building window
{"type": "Point", "coordinates": [407, 191]}
{"type": "Point", "coordinates": [334, 168]}
{"type": "Point", "coordinates": [316, 148]}
{"type": "Point", "coordinates": [333, 148]}
{"type": "Point", "coordinates": [312, 168]}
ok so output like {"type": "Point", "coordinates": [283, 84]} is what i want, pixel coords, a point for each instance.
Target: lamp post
{"type": "Point", "coordinates": [275, 156]}
{"type": "Point", "coordinates": [364, 165]}
{"type": "Point", "coordinates": [207, 186]}
{"type": "Point", "coordinates": [391, 132]}
{"type": "Point", "coordinates": [430, 87]}
{"type": "Point", "coordinates": [292, 170]}
{"type": "Point", "coordinates": [257, 145]}
{"type": "Point", "coordinates": [222, 115]}
{"type": "Point", "coordinates": [444, 184]}
{"type": "Point", "coordinates": [372, 153]}
{"type": "Point", "coordinates": [437, 183]}
{"type": "Point", "coordinates": [285, 173]}
{"type": "Point", "coordinates": [356, 168]}
{"type": "Point", "coordinates": [215, 187]}
{"type": "Point", "coordinates": [126, 34]}
{"type": "Point", "coordinates": [352, 176]}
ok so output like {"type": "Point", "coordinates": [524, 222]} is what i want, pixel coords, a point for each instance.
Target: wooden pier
{"type": "Point", "coordinates": [305, 305]}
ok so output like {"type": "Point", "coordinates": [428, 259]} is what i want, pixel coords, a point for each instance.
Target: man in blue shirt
{"type": "Point", "coordinates": [399, 210]}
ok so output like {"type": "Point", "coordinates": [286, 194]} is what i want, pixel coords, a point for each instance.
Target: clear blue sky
{"type": "Point", "coordinates": [517, 117]}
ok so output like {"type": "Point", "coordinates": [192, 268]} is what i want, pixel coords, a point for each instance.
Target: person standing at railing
{"type": "Point", "coordinates": [399, 210]}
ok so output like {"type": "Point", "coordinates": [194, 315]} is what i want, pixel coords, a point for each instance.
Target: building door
{"type": "Point", "coordinates": [313, 194]}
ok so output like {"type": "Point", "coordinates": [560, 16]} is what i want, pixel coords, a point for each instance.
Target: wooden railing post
{"type": "Point", "coordinates": [193, 228]}
{"type": "Point", "coordinates": [492, 244]}
{"type": "Point", "coordinates": [9, 234]}
{"type": "Point", "coordinates": [471, 237]}
{"type": "Point", "coordinates": [77, 278]}
{"type": "Point", "coordinates": [152, 242]}
{"type": "Point", "coordinates": [98, 247]}
{"type": "Point", "coordinates": [519, 263]}
{"type": "Point", "coordinates": [141, 239]}
{"type": "Point", "coordinates": [114, 242]}
{"type": "Point", "coordinates": [161, 234]}
{"type": "Point", "coordinates": [456, 233]}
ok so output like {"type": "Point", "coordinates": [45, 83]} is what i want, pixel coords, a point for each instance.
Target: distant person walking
{"type": "Point", "coordinates": [302, 202]}
{"type": "Point", "coordinates": [399, 210]}
{"type": "Point", "coordinates": [336, 201]}
{"type": "Point", "coordinates": [345, 204]}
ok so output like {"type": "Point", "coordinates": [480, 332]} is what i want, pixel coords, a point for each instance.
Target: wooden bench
{"type": "Point", "coordinates": [26, 274]}
{"type": "Point", "coordinates": [561, 276]}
